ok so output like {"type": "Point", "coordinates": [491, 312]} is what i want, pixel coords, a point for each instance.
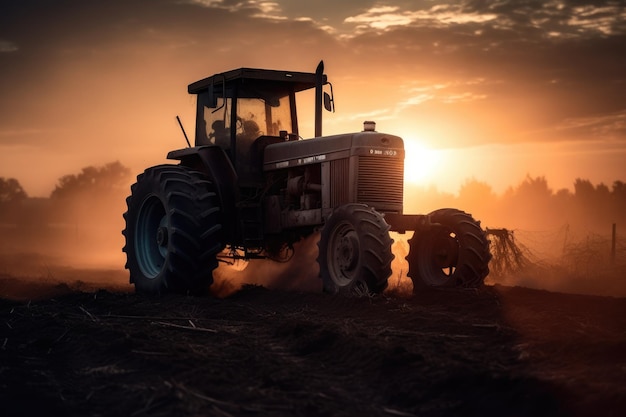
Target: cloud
{"type": "Point", "coordinates": [268, 10]}
{"type": "Point", "coordinates": [208, 3]}
{"type": "Point", "coordinates": [379, 114]}
{"type": "Point", "coordinates": [20, 133]}
{"type": "Point", "coordinates": [259, 9]}
{"type": "Point", "coordinates": [606, 126]}
{"type": "Point", "coordinates": [439, 94]}
{"type": "Point", "coordinates": [604, 20]}
{"type": "Point", "coordinates": [536, 62]}
{"type": "Point", "coordinates": [538, 56]}
{"type": "Point", "coordinates": [437, 16]}
{"type": "Point", "coordinates": [381, 18]}
{"type": "Point", "coordinates": [531, 19]}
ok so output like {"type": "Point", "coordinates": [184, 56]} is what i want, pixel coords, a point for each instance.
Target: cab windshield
{"type": "Point", "coordinates": [255, 117]}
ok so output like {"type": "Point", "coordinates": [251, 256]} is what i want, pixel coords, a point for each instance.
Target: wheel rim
{"type": "Point", "coordinates": [343, 255]}
{"type": "Point", "coordinates": [151, 237]}
{"type": "Point", "coordinates": [440, 258]}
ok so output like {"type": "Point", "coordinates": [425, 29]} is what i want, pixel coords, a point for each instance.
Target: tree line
{"type": "Point", "coordinates": [98, 193]}
{"type": "Point", "coordinates": [95, 194]}
{"type": "Point", "coordinates": [532, 204]}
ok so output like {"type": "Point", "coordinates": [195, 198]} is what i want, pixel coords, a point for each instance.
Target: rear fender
{"type": "Point", "coordinates": [215, 164]}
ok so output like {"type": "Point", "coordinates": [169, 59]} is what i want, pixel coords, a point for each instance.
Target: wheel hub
{"type": "Point", "coordinates": [347, 252]}
{"type": "Point", "coordinates": [344, 250]}
{"type": "Point", "coordinates": [161, 236]}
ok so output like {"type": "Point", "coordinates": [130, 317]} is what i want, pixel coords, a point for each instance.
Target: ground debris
{"type": "Point", "coordinates": [532, 353]}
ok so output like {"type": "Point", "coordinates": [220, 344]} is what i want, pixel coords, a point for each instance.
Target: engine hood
{"type": "Point", "coordinates": [316, 150]}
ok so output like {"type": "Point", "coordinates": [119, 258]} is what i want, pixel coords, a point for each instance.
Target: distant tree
{"type": "Point", "coordinates": [604, 200]}
{"type": "Point", "coordinates": [563, 194]}
{"type": "Point", "coordinates": [563, 198]}
{"type": "Point", "coordinates": [94, 195]}
{"type": "Point", "coordinates": [531, 204]}
{"type": "Point", "coordinates": [11, 191]}
{"type": "Point", "coordinates": [584, 190]}
{"type": "Point", "coordinates": [92, 181]}
{"type": "Point", "coordinates": [473, 189]}
{"type": "Point", "coordinates": [618, 191]}
{"type": "Point", "coordinates": [476, 196]}
{"type": "Point", "coordinates": [534, 189]}
{"type": "Point", "coordinates": [602, 190]}
{"type": "Point", "coordinates": [596, 206]}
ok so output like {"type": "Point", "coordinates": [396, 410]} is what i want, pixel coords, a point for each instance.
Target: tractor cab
{"type": "Point", "coordinates": [243, 110]}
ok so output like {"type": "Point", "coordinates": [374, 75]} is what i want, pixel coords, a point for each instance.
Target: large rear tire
{"type": "Point", "coordinates": [355, 251]}
{"type": "Point", "coordinates": [172, 231]}
{"type": "Point", "coordinates": [453, 253]}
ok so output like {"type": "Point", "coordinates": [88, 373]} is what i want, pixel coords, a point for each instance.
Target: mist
{"type": "Point", "coordinates": [298, 272]}
{"type": "Point", "coordinates": [72, 237]}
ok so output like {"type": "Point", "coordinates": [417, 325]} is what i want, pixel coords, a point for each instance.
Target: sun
{"type": "Point", "coordinates": [420, 162]}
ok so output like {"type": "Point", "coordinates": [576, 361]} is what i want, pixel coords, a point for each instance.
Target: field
{"type": "Point", "coordinates": [81, 343]}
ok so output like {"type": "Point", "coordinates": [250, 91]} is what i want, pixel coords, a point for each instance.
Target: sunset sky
{"type": "Point", "coordinates": [491, 90]}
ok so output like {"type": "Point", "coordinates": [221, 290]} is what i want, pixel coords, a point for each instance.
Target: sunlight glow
{"type": "Point", "coordinates": [421, 164]}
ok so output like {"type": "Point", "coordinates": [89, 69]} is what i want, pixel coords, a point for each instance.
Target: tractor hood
{"type": "Point", "coordinates": [312, 151]}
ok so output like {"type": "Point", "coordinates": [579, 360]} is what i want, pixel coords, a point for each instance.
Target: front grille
{"type": "Point", "coordinates": [339, 184]}
{"type": "Point", "coordinates": [381, 182]}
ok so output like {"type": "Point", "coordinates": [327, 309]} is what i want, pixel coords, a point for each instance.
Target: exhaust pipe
{"type": "Point", "coordinates": [319, 82]}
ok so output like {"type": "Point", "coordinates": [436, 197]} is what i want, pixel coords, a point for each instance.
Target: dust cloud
{"type": "Point", "coordinates": [79, 256]}
{"type": "Point", "coordinates": [74, 236]}
{"type": "Point", "coordinates": [300, 272]}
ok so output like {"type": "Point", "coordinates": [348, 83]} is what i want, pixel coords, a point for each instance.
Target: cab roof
{"type": "Point", "coordinates": [299, 80]}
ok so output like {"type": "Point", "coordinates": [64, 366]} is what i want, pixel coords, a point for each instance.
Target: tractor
{"type": "Point", "coordinates": [252, 187]}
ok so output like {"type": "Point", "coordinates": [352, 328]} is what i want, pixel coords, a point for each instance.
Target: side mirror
{"type": "Point", "coordinates": [329, 103]}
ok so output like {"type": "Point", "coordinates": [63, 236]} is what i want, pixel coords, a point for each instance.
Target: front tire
{"type": "Point", "coordinates": [172, 231]}
{"type": "Point", "coordinates": [355, 251]}
{"type": "Point", "coordinates": [454, 252]}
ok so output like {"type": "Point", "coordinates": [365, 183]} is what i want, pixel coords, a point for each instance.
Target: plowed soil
{"type": "Point", "coordinates": [496, 351]}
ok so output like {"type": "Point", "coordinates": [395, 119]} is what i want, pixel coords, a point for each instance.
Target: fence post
{"type": "Point", "coordinates": [613, 240]}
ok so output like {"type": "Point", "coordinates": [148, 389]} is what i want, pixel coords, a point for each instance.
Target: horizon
{"type": "Point", "coordinates": [420, 184]}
